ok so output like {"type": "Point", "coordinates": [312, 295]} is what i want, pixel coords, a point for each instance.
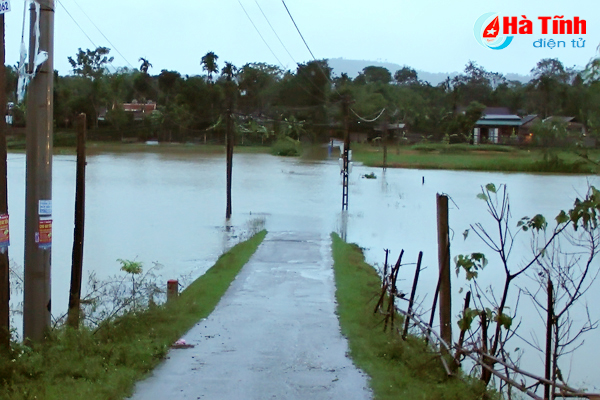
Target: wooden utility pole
{"type": "Point", "coordinates": [4, 260]}
{"type": "Point", "coordinates": [77, 260]}
{"type": "Point", "coordinates": [445, 295]}
{"type": "Point", "coordinates": [38, 197]}
{"type": "Point", "coordinates": [229, 137]}
{"type": "Point", "coordinates": [346, 155]}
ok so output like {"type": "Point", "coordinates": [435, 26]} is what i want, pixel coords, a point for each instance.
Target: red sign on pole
{"type": "Point", "coordinates": [4, 234]}
{"type": "Point", "coordinates": [44, 235]}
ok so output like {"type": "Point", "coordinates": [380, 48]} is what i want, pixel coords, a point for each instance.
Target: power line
{"type": "Point", "coordinates": [272, 52]}
{"type": "Point", "coordinates": [76, 23]}
{"type": "Point", "coordinates": [86, 35]}
{"type": "Point", "coordinates": [261, 36]}
{"type": "Point", "coordinates": [113, 46]}
{"type": "Point", "coordinates": [280, 41]}
{"type": "Point", "coordinates": [368, 120]}
{"type": "Point", "coordinates": [298, 29]}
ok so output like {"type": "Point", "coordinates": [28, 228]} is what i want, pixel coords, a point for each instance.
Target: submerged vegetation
{"type": "Point", "coordinates": [104, 363]}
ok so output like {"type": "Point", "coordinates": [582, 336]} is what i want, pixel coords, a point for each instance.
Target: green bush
{"type": "Point", "coordinates": [286, 146]}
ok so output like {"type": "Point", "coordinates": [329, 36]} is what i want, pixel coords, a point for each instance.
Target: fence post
{"type": "Point", "coordinates": [77, 255]}
{"type": "Point", "coordinates": [445, 295]}
{"type": "Point", "coordinates": [172, 289]}
{"type": "Point", "coordinates": [412, 295]}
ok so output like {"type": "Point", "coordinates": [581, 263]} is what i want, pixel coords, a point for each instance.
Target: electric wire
{"type": "Point", "coordinates": [77, 23]}
{"type": "Point", "coordinates": [84, 32]}
{"type": "Point", "coordinates": [368, 120]}
{"type": "Point", "coordinates": [261, 36]}
{"type": "Point", "coordinates": [298, 29]}
{"type": "Point", "coordinates": [103, 35]}
{"type": "Point", "coordinates": [275, 32]}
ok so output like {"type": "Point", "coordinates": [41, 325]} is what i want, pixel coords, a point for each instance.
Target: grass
{"type": "Point", "coordinates": [476, 158]}
{"type": "Point", "coordinates": [398, 369]}
{"type": "Point", "coordinates": [104, 364]}
{"type": "Point", "coordinates": [65, 142]}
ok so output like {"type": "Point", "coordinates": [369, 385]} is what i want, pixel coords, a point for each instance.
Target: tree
{"type": "Point", "coordinates": [209, 64]}
{"type": "Point", "coordinates": [91, 63]}
{"type": "Point", "coordinates": [549, 85]}
{"type": "Point", "coordinates": [257, 83]}
{"type": "Point", "coordinates": [494, 308]}
{"type": "Point", "coordinates": [372, 74]}
{"type": "Point", "coordinates": [145, 65]}
{"type": "Point", "coordinates": [406, 76]}
{"type": "Point", "coordinates": [91, 66]}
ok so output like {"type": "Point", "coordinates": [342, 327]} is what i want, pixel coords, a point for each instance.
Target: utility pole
{"type": "Point", "coordinates": [38, 198]}
{"type": "Point", "coordinates": [345, 157]}
{"type": "Point", "coordinates": [229, 134]}
{"type": "Point", "coordinates": [4, 260]}
{"type": "Point", "coordinates": [77, 260]}
{"type": "Point", "coordinates": [385, 139]}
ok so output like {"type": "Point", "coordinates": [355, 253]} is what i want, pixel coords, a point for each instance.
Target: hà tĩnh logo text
{"type": "Point", "coordinates": [497, 32]}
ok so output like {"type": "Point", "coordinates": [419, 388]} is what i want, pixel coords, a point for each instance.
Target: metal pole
{"type": "Point", "coordinates": [38, 199]}
{"type": "Point", "coordinates": [77, 260]}
{"type": "Point", "coordinates": [345, 171]}
{"type": "Point", "coordinates": [385, 140]}
{"type": "Point", "coordinates": [4, 263]}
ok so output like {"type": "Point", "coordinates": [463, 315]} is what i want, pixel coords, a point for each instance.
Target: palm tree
{"type": "Point", "coordinates": [209, 64]}
{"type": "Point", "coordinates": [145, 65]}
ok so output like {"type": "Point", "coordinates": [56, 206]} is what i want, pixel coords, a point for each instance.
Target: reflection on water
{"type": "Point", "coordinates": [170, 208]}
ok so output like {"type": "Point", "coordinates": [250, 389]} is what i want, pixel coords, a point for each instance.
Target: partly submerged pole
{"type": "Point", "coordinates": [77, 255]}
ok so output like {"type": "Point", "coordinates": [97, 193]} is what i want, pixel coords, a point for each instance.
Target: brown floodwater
{"type": "Point", "coordinates": [170, 209]}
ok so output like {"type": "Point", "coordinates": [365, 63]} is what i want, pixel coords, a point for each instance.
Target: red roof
{"type": "Point", "coordinates": [145, 108]}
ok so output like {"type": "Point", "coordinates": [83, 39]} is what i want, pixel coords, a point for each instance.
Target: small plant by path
{"type": "Point", "coordinates": [104, 363]}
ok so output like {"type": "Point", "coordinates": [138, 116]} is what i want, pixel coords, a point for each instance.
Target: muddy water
{"type": "Point", "coordinates": [170, 209]}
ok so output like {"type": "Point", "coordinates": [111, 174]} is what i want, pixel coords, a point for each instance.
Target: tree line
{"type": "Point", "coordinates": [270, 101]}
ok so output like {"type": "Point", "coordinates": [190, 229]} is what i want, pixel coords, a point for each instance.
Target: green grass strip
{"type": "Point", "coordinates": [105, 364]}
{"type": "Point", "coordinates": [398, 369]}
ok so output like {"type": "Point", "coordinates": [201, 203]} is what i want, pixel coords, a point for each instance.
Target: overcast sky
{"type": "Point", "coordinates": [430, 35]}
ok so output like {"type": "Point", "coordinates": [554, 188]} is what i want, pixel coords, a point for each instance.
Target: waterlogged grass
{"type": "Point", "coordinates": [476, 158]}
{"type": "Point", "coordinates": [398, 369]}
{"type": "Point", "coordinates": [105, 364]}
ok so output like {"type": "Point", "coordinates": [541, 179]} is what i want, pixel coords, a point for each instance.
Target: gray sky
{"type": "Point", "coordinates": [430, 35]}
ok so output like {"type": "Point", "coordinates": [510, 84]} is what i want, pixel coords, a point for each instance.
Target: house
{"type": "Point", "coordinates": [139, 110]}
{"type": "Point", "coordinates": [394, 131]}
{"type": "Point", "coordinates": [496, 125]}
{"type": "Point", "coordinates": [526, 128]}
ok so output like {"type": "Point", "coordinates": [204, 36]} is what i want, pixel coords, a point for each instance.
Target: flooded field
{"type": "Point", "coordinates": [170, 209]}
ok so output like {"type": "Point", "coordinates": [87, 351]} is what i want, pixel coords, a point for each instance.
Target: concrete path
{"type": "Point", "coordinates": [274, 335]}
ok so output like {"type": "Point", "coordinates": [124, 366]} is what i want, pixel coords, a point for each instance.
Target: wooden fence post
{"type": "Point", "coordinates": [445, 295]}
{"type": "Point", "coordinates": [77, 260]}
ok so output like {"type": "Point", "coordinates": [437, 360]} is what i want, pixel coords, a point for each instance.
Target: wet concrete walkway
{"type": "Point", "coordinates": [274, 335]}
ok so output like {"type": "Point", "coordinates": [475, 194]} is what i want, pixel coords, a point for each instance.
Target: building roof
{"type": "Point", "coordinates": [498, 122]}
{"type": "Point", "coordinates": [528, 120]}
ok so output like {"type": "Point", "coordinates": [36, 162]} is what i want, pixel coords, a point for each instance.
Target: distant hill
{"type": "Point", "coordinates": [353, 67]}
